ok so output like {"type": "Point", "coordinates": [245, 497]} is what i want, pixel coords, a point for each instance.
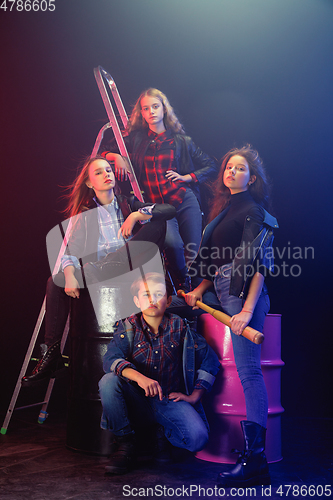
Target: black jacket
{"type": "Point", "coordinates": [188, 158]}
{"type": "Point", "coordinates": [83, 242]}
{"type": "Point", "coordinates": [255, 251]}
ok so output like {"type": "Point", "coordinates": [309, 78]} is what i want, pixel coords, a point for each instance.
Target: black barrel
{"type": "Point", "coordinates": [88, 343]}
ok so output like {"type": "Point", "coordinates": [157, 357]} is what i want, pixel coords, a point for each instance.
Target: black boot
{"type": "Point", "coordinates": [50, 365]}
{"type": "Point", "coordinates": [116, 264]}
{"type": "Point", "coordinates": [122, 460]}
{"type": "Point", "coordinates": [94, 272]}
{"type": "Point", "coordinates": [251, 468]}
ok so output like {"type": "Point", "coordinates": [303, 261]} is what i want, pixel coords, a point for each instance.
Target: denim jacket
{"type": "Point", "coordinates": [254, 254]}
{"type": "Point", "coordinates": [199, 361]}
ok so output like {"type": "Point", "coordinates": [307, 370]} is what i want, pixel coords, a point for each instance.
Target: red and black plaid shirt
{"type": "Point", "coordinates": [158, 159]}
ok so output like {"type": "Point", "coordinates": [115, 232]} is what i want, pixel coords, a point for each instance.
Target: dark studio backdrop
{"type": "Point", "coordinates": [236, 71]}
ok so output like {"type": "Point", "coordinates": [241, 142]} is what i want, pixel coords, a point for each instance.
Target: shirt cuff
{"type": "Point", "coordinates": [121, 366]}
{"type": "Point", "coordinates": [194, 177]}
{"type": "Point", "coordinates": [69, 260]}
{"type": "Point", "coordinates": [202, 384]}
{"type": "Point", "coordinates": [146, 211]}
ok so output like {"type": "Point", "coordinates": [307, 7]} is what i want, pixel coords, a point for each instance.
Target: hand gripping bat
{"type": "Point", "coordinates": [248, 332]}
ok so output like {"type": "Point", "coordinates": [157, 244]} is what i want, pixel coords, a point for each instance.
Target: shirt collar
{"type": "Point", "coordinates": [142, 324]}
{"type": "Point", "coordinates": [114, 203]}
{"type": "Point", "coordinates": [167, 134]}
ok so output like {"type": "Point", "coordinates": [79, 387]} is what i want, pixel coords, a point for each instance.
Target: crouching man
{"type": "Point", "coordinates": [157, 370]}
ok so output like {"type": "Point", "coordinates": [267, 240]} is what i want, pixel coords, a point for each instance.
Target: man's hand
{"type": "Point", "coordinates": [192, 398]}
{"type": "Point", "coordinates": [151, 387]}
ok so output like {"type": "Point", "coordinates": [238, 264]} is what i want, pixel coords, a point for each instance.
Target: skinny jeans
{"type": "Point", "coordinates": [246, 353]}
{"type": "Point", "coordinates": [183, 234]}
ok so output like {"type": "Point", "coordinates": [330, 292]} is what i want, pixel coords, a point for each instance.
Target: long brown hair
{"type": "Point", "coordinates": [80, 195]}
{"type": "Point", "coordinates": [259, 189]}
{"type": "Point", "coordinates": [136, 121]}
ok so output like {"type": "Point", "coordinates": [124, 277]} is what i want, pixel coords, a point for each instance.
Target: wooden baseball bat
{"type": "Point", "coordinates": [248, 332]}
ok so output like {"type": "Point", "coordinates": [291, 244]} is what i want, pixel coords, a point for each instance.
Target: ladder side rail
{"type": "Point", "coordinates": [33, 340]}
{"type": "Point", "coordinates": [52, 380]}
{"type": "Point", "coordinates": [116, 96]}
{"type": "Point", "coordinates": [99, 139]}
{"type": "Point", "coordinates": [49, 389]}
{"type": "Point", "coordinates": [117, 133]}
{"type": "Point", "coordinates": [23, 369]}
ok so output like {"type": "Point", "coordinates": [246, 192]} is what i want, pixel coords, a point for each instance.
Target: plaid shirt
{"type": "Point", "coordinates": [110, 219]}
{"type": "Point", "coordinates": [159, 356]}
{"type": "Point", "coordinates": [158, 159]}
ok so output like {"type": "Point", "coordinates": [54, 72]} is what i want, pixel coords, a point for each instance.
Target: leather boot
{"type": "Point", "coordinates": [95, 272]}
{"type": "Point", "coordinates": [122, 460]}
{"type": "Point", "coordinates": [251, 468]}
{"type": "Point", "coordinates": [50, 365]}
{"type": "Point", "coordinates": [116, 264]}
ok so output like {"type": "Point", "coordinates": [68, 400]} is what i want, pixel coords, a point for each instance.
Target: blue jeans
{"type": "Point", "coordinates": [125, 406]}
{"type": "Point", "coordinates": [183, 234]}
{"type": "Point", "coordinates": [246, 353]}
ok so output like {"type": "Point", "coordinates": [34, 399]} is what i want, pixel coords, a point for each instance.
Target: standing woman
{"type": "Point", "coordinates": [234, 257]}
{"type": "Point", "coordinates": [169, 168]}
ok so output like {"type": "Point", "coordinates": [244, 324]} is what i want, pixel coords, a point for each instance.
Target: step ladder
{"type": "Point", "coordinates": [101, 75]}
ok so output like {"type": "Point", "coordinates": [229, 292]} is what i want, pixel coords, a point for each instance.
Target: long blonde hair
{"type": "Point", "coordinates": [80, 195]}
{"type": "Point", "coordinates": [136, 121]}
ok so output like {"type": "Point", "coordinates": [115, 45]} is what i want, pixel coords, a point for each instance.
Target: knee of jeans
{"type": "Point", "coordinates": [250, 375]}
{"type": "Point", "coordinates": [174, 244]}
{"type": "Point", "coordinates": [197, 439]}
{"type": "Point", "coordinates": [52, 282]}
{"type": "Point", "coordinates": [108, 383]}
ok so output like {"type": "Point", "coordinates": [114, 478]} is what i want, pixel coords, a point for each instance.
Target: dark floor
{"type": "Point", "coordinates": [35, 464]}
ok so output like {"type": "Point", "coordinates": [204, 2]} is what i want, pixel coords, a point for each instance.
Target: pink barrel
{"type": "Point", "coordinates": [225, 404]}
